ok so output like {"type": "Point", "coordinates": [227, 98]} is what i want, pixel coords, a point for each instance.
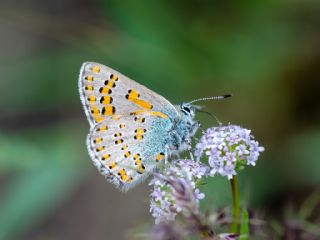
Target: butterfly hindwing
{"type": "Point", "coordinates": [128, 148]}
{"type": "Point", "coordinates": [106, 92]}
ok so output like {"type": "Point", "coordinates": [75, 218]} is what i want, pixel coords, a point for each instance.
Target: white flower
{"type": "Point", "coordinates": [174, 190]}
{"type": "Point", "coordinates": [228, 149]}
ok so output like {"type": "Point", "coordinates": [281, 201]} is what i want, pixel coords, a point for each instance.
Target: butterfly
{"type": "Point", "coordinates": [132, 129]}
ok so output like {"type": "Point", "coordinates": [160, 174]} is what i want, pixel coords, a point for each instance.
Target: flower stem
{"type": "Point", "coordinates": [235, 205]}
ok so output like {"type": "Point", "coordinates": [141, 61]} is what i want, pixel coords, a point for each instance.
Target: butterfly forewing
{"type": "Point", "coordinates": [106, 92]}
{"type": "Point", "coordinates": [129, 124]}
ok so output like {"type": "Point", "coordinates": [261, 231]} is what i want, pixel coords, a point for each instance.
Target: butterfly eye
{"type": "Point", "coordinates": [186, 110]}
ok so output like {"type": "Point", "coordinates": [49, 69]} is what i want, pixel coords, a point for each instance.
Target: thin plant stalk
{"type": "Point", "coordinates": [235, 205]}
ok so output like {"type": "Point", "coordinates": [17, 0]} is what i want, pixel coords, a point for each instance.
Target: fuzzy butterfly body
{"type": "Point", "coordinates": [132, 129]}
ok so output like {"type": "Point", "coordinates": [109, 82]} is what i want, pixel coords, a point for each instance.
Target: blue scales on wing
{"type": "Point", "coordinates": [129, 148]}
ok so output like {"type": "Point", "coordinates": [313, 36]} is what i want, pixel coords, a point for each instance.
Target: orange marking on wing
{"type": "Point", "coordinates": [89, 88]}
{"type": "Point", "coordinates": [123, 175]}
{"type": "Point", "coordinates": [118, 141]}
{"type": "Point", "coordinates": [127, 154]}
{"type": "Point", "coordinates": [105, 90]}
{"type": "Point", "coordinates": [112, 165]}
{"type": "Point", "coordinates": [98, 149]}
{"type": "Point", "coordinates": [126, 178]}
{"type": "Point", "coordinates": [114, 77]}
{"type": "Point", "coordinates": [103, 128]}
{"type": "Point", "coordinates": [106, 100]}
{"type": "Point", "coordinates": [132, 94]}
{"type": "Point", "coordinates": [122, 171]}
{"type": "Point", "coordinates": [117, 135]}
{"type": "Point", "coordinates": [96, 114]}
{"type": "Point", "coordinates": [124, 147]}
{"type": "Point", "coordinates": [108, 110]}
{"type": "Point", "coordinates": [89, 78]}
{"type": "Point", "coordinates": [159, 157]}
{"type": "Point", "coordinates": [105, 157]}
{"type": "Point", "coordinates": [142, 103]}
{"type": "Point", "coordinates": [140, 131]}
{"type": "Point", "coordinates": [141, 168]}
{"type": "Point", "coordinates": [138, 137]}
{"type": "Point", "coordinates": [137, 112]}
{"type": "Point", "coordinates": [96, 69]}
{"type": "Point", "coordinates": [94, 110]}
{"type": "Point", "coordinates": [151, 113]}
{"type": "Point", "coordinates": [158, 114]}
{"type": "Point", "coordinates": [110, 84]}
{"type": "Point", "coordinates": [97, 140]}
{"type": "Point", "coordinates": [138, 161]}
{"type": "Point", "coordinates": [91, 99]}
{"type": "Point", "coordinates": [98, 119]}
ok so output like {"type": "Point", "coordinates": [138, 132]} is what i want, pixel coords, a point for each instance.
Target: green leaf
{"type": "Point", "coordinates": [309, 205]}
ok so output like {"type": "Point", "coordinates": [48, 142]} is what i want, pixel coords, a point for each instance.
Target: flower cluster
{"type": "Point", "coordinates": [175, 190]}
{"type": "Point", "coordinates": [228, 148]}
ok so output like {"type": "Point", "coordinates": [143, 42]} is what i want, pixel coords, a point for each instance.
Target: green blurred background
{"type": "Point", "coordinates": [267, 53]}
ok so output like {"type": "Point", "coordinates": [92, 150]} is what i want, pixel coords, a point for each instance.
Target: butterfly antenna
{"type": "Point", "coordinates": [210, 114]}
{"type": "Point", "coordinates": [211, 98]}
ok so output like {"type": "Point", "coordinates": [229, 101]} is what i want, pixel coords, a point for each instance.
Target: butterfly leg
{"type": "Point", "coordinates": [168, 153]}
{"type": "Point", "coordinates": [190, 149]}
{"type": "Point", "coordinates": [201, 129]}
{"type": "Point", "coordinates": [196, 139]}
{"type": "Point", "coordinates": [191, 156]}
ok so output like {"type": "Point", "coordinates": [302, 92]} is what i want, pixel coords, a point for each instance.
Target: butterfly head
{"type": "Point", "coordinates": [188, 110]}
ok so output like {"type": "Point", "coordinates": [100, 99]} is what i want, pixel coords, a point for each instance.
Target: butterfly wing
{"type": "Point", "coordinates": [129, 124]}
{"type": "Point", "coordinates": [127, 149]}
{"type": "Point", "coordinates": [106, 92]}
